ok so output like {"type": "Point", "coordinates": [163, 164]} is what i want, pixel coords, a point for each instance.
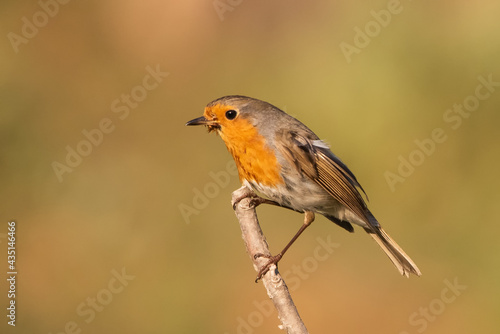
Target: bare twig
{"type": "Point", "coordinates": [255, 243]}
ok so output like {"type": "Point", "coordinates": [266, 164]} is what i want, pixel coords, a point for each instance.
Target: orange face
{"type": "Point", "coordinates": [255, 160]}
{"type": "Point", "coordinates": [222, 116]}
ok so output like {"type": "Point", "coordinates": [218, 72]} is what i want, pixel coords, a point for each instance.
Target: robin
{"type": "Point", "coordinates": [279, 157]}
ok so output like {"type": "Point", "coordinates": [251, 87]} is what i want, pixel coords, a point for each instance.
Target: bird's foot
{"type": "Point", "coordinates": [265, 268]}
{"type": "Point", "coordinates": [255, 200]}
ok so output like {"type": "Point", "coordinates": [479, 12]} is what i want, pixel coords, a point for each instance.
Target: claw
{"type": "Point", "coordinates": [255, 200]}
{"type": "Point", "coordinates": [257, 255]}
{"type": "Point", "coordinates": [265, 268]}
{"type": "Point", "coordinates": [240, 194]}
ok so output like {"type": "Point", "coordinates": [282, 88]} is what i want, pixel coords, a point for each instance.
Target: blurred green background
{"type": "Point", "coordinates": [130, 207]}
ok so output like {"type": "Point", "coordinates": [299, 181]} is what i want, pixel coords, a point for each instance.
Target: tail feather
{"type": "Point", "coordinates": [400, 259]}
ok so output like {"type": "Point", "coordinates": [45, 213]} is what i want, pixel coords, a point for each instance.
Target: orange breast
{"type": "Point", "coordinates": [255, 160]}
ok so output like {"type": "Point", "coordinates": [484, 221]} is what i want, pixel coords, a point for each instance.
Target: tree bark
{"type": "Point", "coordinates": [256, 243]}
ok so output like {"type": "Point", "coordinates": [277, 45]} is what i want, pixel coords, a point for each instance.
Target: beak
{"type": "Point", "coordinates": [198, 121]}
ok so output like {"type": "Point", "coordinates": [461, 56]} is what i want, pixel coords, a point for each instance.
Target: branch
{"type": "Point", "coordinates": [255, 243]}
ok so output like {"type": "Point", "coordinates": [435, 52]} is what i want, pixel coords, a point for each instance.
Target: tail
{"type": "Point", "coordinates": [402, 261]}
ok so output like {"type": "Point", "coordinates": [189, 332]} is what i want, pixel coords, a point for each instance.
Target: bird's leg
{"type": "Point", "coordinates": [308, 219]}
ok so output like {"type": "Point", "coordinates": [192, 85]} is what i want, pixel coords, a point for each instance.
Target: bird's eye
{"type": "Point", "coordinates": [231, 114]}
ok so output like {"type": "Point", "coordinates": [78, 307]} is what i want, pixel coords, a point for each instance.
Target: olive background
{"type": "Point", "coordinates": [132, 205]}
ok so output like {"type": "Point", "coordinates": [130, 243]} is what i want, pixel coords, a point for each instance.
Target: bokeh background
{"type": "Point", "coordinates": [132, 205]}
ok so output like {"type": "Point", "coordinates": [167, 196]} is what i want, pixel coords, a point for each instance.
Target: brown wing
{"type": "Point", "coordinates": [316, 161]}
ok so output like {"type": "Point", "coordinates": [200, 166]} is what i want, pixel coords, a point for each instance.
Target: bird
{"type": "Point", "coordinates": [281, 160]}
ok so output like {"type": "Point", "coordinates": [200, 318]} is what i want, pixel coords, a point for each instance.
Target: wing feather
{"type": "Point", "coordinates": [312, 158]}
